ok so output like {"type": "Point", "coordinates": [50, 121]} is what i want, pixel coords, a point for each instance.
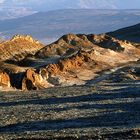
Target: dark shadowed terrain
{"type": "Point", "coordinates": [129, 33]}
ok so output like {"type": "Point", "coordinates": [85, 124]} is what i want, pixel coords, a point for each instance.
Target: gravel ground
{"type": "Point", "coordinates": [106, 110]}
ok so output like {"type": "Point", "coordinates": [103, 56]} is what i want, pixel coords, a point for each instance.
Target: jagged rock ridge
{"type": "Point", "coordinates": [18, 47]}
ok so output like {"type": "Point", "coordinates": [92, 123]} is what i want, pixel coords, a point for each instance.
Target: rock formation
{"type": "Point", "coordinates": [65, 43]}
{"type": "Point", "coordinates": [81, 42]}
{"type": "Point", "coordinates": [106, 41]}
{"type": "Point", "coordinates": [30, 79]}
{"type": "Point", "coordinates": [70, 63]}
{"type": "Point", "coordinates": [4, 79]}
{"type": "Point", "coordinates": [72, 59]}
{"type": "Point", "coordinates": [18, 48]}
{"type": "Point", "coordinates": [33, 81]}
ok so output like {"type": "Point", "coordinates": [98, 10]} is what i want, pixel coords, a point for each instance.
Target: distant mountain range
{"type": "Point", "coordinates": [48, 26]}
{"type": "Point", "coordinates": [18, 8]}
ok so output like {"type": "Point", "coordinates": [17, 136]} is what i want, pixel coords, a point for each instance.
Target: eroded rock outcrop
{"type": "Point", "coordinates": [108, 42]}
{"type": "Point", "coordinates": [66, 42]}
{"type": "Point", "coordinates": [33, 80]}
{"type": "Point", "coordinates": [24, 37]}
{"type": "Point", "coordinates": [82, 42]}
{"type": "Point", "coordinates": [70, 63]}
{"type": "Point", "coordinates": [4, 79]}
{"type": "Point", "coordinates": [18, 48]}
{"type": "Point", "coordinates": [81, 54]}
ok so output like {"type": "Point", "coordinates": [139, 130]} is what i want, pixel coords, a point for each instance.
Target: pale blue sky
{"type": "Point", "coordinates": [62, 4]}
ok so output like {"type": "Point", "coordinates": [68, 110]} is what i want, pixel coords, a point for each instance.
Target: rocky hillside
{"type": "Point", "coordinates": [72, 42]}
{"type": "Point", "coordinates": [74, 59]}
{"type": "Point", "coordinates": [130, 33]}
{"type": "Point", "coordinates": [18, 47]}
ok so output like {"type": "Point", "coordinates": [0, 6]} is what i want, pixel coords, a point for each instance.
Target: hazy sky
{"type": "Point", "coordinates": [56, 4]}
{"type": "Point", "coordinates": [25, 7]}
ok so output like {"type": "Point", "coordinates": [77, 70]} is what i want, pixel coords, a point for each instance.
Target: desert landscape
{"type": "Point", "coordinates": [74, 59]}
{"type": "Point", "coordinates": [69, 70]}
{"type": "Point", "coordinates": [82, 86]}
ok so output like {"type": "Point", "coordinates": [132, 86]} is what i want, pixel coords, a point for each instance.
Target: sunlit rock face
{"type": "Point", "coordinates": [18, 47]}
{"type": "Point", "coordinates": [4, 80]}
